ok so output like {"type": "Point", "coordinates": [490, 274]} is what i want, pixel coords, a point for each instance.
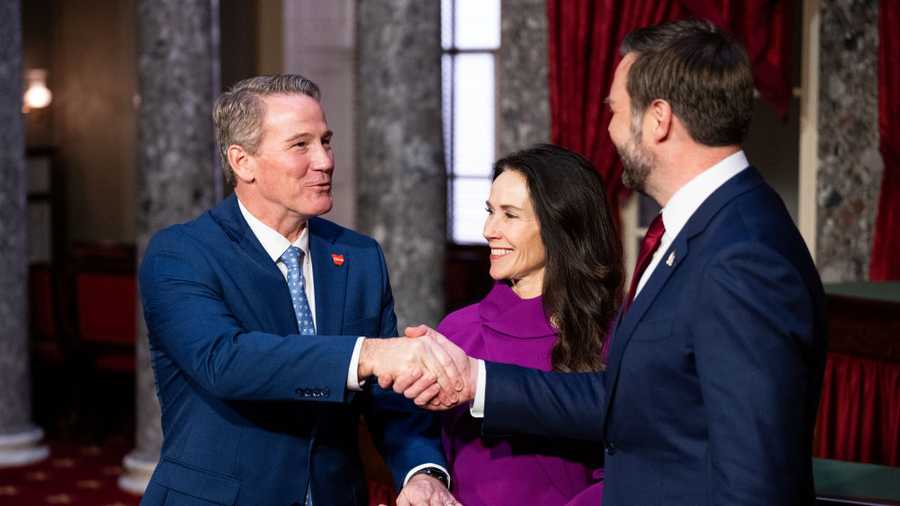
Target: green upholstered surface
{"type": "Point", "coordinates": [887, 291]}
{"type": "Point", "coordinates": [851, 479]}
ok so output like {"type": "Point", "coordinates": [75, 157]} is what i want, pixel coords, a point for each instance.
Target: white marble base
{"type": "Point", "coordinates": [137, 474]}
{"type": "Point", "coordinates": [23, 448]}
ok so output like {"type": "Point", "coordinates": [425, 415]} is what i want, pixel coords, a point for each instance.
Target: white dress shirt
{"type": "Point", "coordinates": [686, 200]}
{"type": "Point", "coordinates": [275, 245]}
{"type": "Point", "coordinates": [675, 215]}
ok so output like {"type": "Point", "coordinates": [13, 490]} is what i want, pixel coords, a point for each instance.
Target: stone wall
{"type": "Point", "coordinates": [850, 165]}
{"type": "Point", "coordinates": [523, 101]}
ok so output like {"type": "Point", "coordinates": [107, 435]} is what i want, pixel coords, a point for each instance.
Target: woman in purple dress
{"type": "Point", "coordinates": [557, 264]}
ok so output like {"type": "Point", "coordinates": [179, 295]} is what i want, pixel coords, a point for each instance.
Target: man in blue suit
{"type": "Point", "coordinates": [713, 379]}
{"type": "Point", "coordinates": [256, 312]}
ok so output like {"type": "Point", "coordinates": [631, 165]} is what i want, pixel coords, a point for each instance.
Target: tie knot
{"type": "Point", "coordinates": [656, 229]}
{"type": "Point", "coordinates": [292, 256]}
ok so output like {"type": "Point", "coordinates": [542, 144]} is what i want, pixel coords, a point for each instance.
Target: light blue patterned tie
{"type": "Point", "coordinates": [293, 259]}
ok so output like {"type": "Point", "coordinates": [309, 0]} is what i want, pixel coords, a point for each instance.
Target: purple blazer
{"type": "Point", "coordinates": [512, 470]}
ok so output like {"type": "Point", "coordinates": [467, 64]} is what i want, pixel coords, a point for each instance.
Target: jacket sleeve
{"type": "Point", "coordinates": [405, 435]}
{"type": "Point", "coordinates": [753, 345]}
{"type": "Point", "coordinates": [190, 323]}
{"type": "Point", "coordinates": [550, 404]}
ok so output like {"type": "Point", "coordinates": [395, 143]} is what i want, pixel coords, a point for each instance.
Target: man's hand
{"type": "Point", "coordinates": [417, 365]}
{"type": "Point", "coordinates": [427, 395]}
{"type": "Point", "coordinates": [423, 490]}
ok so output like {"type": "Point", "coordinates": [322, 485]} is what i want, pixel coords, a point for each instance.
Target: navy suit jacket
{"type": "Point", "coordinates": [714, 374]}
{"type": "Point", "coordinates": [251, 410]}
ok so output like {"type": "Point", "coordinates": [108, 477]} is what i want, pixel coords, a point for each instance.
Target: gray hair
{"type": "Point", "coordinates": [238, 113]}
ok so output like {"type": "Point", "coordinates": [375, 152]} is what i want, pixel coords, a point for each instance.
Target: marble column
{"type": "Point", "coordinates": [20, 439]}
{"type": "Point", "coordinates": [178, 176]}
{"type": "Point", "coordinates": [319, 43]}
{"type": "Point", "coordinates": [523, 93]}
{"type": "Point", "coordinates": [850, 165]}
{"type": "Point", "coordinates": [400, 178]}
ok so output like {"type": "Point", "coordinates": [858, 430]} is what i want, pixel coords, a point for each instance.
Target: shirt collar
{"type": "Point", "coordinates": [689, 197]}
{"type": "Point", "coordinates": [274, 243]}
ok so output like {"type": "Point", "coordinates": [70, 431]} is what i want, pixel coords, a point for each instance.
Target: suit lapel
{"type": "Point", "coordinates": [330, 265]}
{"type": "Point", "coordinates": [228, 216]}
{"type": "Point", "coordinates": [631, 317]}
{"type": "Point", "coordinates": [678, 251]}
{"type": "Point", "coordinates": [263, 284]}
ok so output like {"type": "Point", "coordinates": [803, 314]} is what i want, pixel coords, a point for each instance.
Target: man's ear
{"type": "Point", "coordinates": [241, 163]}
{"type": "Point", "coordinates": [660, 117]}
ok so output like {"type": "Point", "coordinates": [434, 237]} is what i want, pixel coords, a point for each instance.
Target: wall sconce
{"type": "Point", "coordinates": [37, 95]}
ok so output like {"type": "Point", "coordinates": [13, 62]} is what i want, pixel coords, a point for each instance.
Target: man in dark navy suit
{"type": "Point", "coordinates": [256, 312]}
{"type": "Point", "coordinates": [716, 361]}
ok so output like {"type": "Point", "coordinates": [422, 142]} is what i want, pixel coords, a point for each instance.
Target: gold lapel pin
{"type": "Point", "coordinates": [671, 259]}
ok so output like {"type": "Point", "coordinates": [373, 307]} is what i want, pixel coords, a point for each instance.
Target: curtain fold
{"type": "Point", "coordinates": [859, 414]}
{"type": "Point", "coordinates": [583, 42]}
{"type": "Point", "coordinates": [885, 261]}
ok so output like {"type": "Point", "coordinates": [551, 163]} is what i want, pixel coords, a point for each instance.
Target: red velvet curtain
{"type": "Point", "coordinates": [583, 44]}
{"type": "Point", "coordinates": [885, 263]}
{"type": "Point", "coordinates": [859, 414]}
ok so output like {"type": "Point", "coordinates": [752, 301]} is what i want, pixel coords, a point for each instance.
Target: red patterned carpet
{"type": "Point", "coordinates": [87, 476]}
{"type": "Point", "coordinates": [72, 475]}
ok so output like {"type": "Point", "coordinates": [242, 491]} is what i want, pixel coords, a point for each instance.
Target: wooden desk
{"type": "Point", "coordinates": [864, 319]}
{"type": "Point", "coordinates": [840, 482]}
{"type": "Point", "coordinates": [887, 291]}
{"type": "Point", "coordinates": [859, 413]}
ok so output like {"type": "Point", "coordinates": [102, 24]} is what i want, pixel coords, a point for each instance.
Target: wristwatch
{"type": "Point", "coordinates": [435, 473]}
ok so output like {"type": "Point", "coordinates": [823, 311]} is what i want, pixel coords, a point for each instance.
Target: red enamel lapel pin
{"type": "Point", "coordinates": [337, 259]}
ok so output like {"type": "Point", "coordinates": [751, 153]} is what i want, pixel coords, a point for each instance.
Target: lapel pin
{"type": "Point", "coordinates": [337, 259]}
{"type": "Point", "coordinates": [671, 259]}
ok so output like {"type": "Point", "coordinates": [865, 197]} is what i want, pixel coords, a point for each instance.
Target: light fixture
{"type": "Point", "coordinates": [37, 95]}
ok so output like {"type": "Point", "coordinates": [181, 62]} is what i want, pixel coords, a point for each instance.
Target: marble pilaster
{"type": "Point", "coordinates": [850, 165]}
{"type": "Point", "coordinates": [19, 437]}
{"type": "Point", "coordinates": [523, 100]}
{"type": "Point", "coordinates": [400, 178]}
{"type": "Point", "coordinates": [319, 43]}
{"type": "Point", "coordinates": [178, 174]}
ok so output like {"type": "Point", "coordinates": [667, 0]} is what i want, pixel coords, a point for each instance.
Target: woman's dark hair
{"type": "Point", "coordinates": [584, 271]}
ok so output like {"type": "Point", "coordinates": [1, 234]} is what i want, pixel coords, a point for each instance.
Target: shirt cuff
{"type": "Point", "coordinates": [477, 407]}
{"type": "Point", "coordinates": [353, 383]}
{"type": "Point", "coordinates": [418, 468]}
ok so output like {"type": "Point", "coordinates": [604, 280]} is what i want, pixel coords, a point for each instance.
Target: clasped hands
{"type": "Point", "coordinates": [423, 366]}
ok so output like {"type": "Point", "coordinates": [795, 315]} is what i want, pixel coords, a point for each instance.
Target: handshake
{"type": "Point", "coordinates": [423, 366]}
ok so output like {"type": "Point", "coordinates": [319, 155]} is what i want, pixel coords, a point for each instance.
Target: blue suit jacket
{"type": "Point", "coordinates": [250, 409]}
{"type": "Point", "coordinates": [714, 374]}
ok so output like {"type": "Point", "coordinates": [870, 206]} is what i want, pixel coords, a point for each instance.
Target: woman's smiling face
{"type": "Point", "coordinates": [513, 233]}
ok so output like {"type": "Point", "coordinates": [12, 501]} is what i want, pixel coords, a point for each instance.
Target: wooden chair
{"type": "Point", "coordinates": [104, 315]}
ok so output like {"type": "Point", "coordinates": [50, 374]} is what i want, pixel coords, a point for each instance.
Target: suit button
{"type": "Point", "coordinates": [295, 503]}
{"type": "Point", "coordinates": [610, 448]}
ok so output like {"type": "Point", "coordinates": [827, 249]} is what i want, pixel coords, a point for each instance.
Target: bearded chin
{"type": "Point", "coordinates": [635, 168]}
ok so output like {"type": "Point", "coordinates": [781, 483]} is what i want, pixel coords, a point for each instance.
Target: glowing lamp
{"type": "Point", "coordinates": [37, 95]}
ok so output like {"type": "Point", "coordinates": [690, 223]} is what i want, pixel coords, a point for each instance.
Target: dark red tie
{"type": "Point", "coordinates": [648, 246]}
